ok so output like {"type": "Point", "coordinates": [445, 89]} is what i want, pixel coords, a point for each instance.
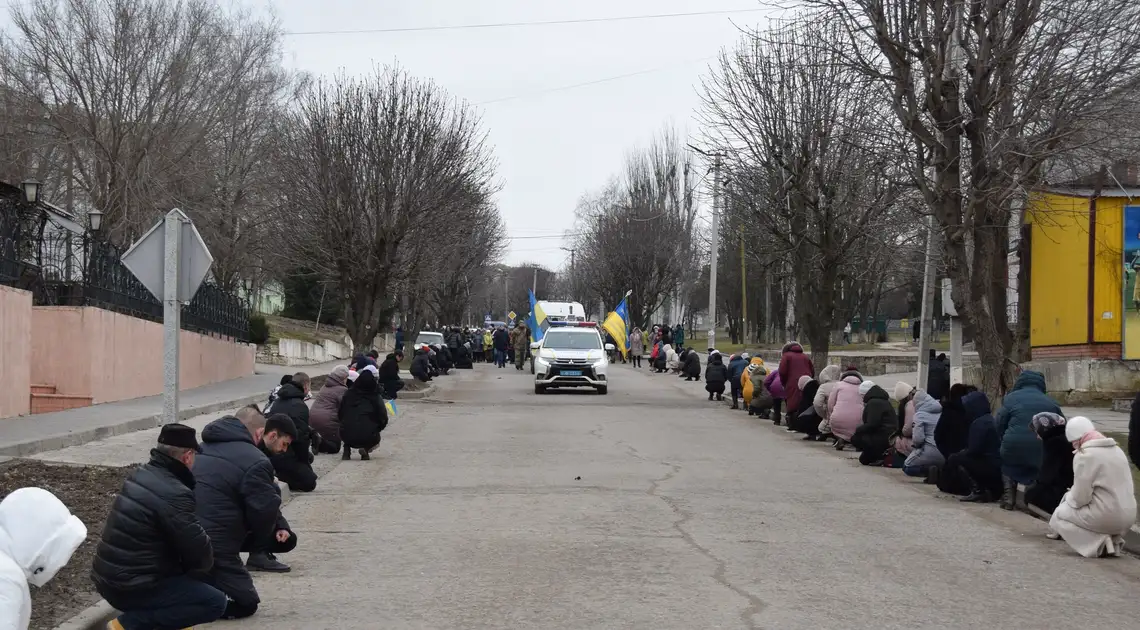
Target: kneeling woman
{"type": "Point", "coordinates": [362, 415]}
{"type": "Point", "coordinates": [1100, 507]}
{"type": "Point", "coordinates": [1056, 474]}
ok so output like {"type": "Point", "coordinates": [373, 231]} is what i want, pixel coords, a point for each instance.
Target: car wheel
{"type": "Point", "coordinates": [539, 389]}
{"type": "Point", "coordinates": [603, 390]}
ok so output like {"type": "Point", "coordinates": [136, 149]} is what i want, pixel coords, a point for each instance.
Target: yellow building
{"type": "Point", "coordinates": [1077, 272]}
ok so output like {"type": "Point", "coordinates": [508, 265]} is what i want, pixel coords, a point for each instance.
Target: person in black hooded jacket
{"type": "Point", "coordinates": [691, 367]}
{"type": "Point", "coordinates": [153, 550]}
{"type": "Point", "coordinates": [389, 375]}
{"type": "Point", "coordinates": [716, 375]}
{"type": "Point", "coordinates": [362, 416]}
{"type": "Point", "coordinates": [880, 420]}
{"type": "Point", "coordinates": [952, 432]}
{"type": "Point", "coordinates": [294, 467]}
{"type": "Point", "coordinates": [421, 366]}
{"type": "Point", "coordinates": [239, 504]}
{"type": "Point", "coordinates": [1056, 475]}
{"type": "Point", "coordinates": [938, 376]}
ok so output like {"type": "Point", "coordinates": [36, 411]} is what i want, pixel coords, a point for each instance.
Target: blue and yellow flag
{"type": "Point", "coordinates": [617, 325]}
{"type": "Point", "coordinates": [390, 406]}
{"type": "Point", "coordinates": [537, 321]}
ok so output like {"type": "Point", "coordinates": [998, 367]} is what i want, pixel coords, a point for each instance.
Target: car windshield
{"type": "Point", "coordinates": [429, 338]}
{"type": "Point", "coordinates": [566, 340]}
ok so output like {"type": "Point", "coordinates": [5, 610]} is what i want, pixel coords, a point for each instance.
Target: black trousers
{"type": "Point", "coordinates": [231, 577]}
{"type": "Point", "coordinates": [737, 390]}
{"type": "Point", "coordinates": [636, 358]}
{"type": "Point", "coordinates": [298, 475]}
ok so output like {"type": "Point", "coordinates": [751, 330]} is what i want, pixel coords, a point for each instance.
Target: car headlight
{"type": "Point", "coordinates": [540, 360]}
{"type": "Point", "coordinates": [600, 363]}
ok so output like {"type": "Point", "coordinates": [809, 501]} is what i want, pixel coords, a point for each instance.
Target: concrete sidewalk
{"type": "Point", "coordinates": [26, 435]}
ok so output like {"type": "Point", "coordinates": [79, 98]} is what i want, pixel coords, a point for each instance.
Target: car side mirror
{"type": "Point", "coordinates": [610, 347]}
{"type": "Point", "coordinates": [536, 345]}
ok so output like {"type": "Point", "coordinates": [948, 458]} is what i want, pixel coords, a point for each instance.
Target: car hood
{"type": "Point", "coordinates": [555, 353]}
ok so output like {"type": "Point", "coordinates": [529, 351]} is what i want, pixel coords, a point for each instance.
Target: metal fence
{"type": "Point", "coordinates": [62, 268]}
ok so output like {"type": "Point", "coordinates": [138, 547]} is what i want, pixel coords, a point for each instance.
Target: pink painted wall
{"type": "Point", "coordinates": [15, 351]}
{"type": "Point", "coordinates": [92, 352]}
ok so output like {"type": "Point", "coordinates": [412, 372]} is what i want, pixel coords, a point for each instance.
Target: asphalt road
{"type": "Point", "coordinates": [654, 508]}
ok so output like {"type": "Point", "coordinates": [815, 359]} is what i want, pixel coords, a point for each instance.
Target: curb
{"type": "Point", "coordinates": [94, 616]}
{"type": "Point", "coordinates": [76, 438]}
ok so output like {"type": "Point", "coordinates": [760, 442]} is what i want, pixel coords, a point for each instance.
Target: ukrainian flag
{"type": "Point", "coordinates": [537, 321]}
{"type": "Point", "coordinates": [390, 407]}
{"type": "Point", "coordinates": [617, 325]}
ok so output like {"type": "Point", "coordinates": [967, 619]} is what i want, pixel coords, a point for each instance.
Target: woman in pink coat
{"type": "Point", "coordinates": [845, 408]}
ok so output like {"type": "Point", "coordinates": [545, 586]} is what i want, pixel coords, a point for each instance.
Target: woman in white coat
{"type": "Point", "coordinates": [1100, 507]}
{"type": "Point", "coordinates": [38, 534]}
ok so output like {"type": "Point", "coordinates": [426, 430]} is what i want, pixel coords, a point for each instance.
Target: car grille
{"type": "Point", "coordinates": [571, 363]}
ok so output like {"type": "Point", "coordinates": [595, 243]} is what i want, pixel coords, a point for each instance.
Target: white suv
{"type": "Point", "coordinates": [571, 356]}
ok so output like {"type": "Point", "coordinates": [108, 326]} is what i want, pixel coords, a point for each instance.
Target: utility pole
{"type": "Point", "coordinates": [506, 296]}
{"type": "Point", "coordinates": [534, 284]}
{"type": "Point", "coordinates": [573, 276]}
{"type": "Point", "coordinates": [927, 318]}
{"type": "Point", "coordinates": [715, 247]}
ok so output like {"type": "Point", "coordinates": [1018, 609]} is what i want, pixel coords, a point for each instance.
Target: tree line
{"type": "Point", "coordinates": [378, 189]}
{"type": "Point", "coordinates": [846, 127]}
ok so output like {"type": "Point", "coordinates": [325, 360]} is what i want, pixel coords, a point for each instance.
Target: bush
{"type": "Point", "coordinates": [258, 329]}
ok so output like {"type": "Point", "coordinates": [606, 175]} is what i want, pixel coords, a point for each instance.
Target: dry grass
{"type": "Point", "coordinates": [285, 328]}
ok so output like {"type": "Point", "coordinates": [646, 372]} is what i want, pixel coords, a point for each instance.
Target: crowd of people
{"type": "Point", "coordinates": [950, 437]}
{"type": "Point", "coordinates": [463, 347]}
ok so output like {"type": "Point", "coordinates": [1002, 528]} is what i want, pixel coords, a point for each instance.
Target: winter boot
{"type": "Point", "coordinates": [932, 475]}
{"type": "Point", "coordinates": [710, 396]}
{"type": "Point", "coordinates": [265, 561]}
{"type": "Point", "coordinates": [720, 397]}
{"type": "Point", "coordinates": [347, 455]}
{"type": "Point", "coordinates": [315, 443]}
{"type": "Point", "coordinates": [977, 493]}
{"type": "Point", "coordinates": [735, 404]}
{"type": "Point", "coordinates": [364, 456]}
{"type": "Point", "coordinates": [1008, 493]}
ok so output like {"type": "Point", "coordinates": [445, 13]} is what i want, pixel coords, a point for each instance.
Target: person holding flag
{"type": "Point", "coordinates": [617, 325]}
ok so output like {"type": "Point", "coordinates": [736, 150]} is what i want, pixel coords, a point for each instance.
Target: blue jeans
{"type": "Point", "coordinates": [173, 603]}
{"type": "Point", "coordinates": [915, 471]}
{"type": "Point", "coordinates": [500, 358]}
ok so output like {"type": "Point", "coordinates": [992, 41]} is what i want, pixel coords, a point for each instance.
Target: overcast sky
{"type": "Point", "coordinates": [552, 145]}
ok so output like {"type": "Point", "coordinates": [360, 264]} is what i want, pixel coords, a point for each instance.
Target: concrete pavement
{"type": "Point", "coordinates": [653, 508]}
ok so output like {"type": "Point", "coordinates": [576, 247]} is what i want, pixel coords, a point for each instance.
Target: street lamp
{"type": "Point", "coordinates": [31, 190]}
{"type": "Point", "coordinates": [95, 218]}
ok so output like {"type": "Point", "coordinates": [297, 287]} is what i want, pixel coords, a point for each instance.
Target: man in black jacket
{"type": "Point", "coordinates": [239, 503]}
{"type": "Point", "coordinates": [388, 375]}
{"type": "Point", "coordinates": [421, 365]}
{"type": "Point", "coordinates": [294, 466]}
{"type": "Point", "coordinates": [153, 549]}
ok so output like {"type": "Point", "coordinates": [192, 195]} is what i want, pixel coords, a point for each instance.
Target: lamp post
{"type": "Point", "coordinates": [31, 190]}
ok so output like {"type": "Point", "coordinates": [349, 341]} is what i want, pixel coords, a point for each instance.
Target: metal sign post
{"type": "Point", "coordinates": [172, 261]}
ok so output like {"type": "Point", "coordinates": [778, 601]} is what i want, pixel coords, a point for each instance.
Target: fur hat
{"type": "Point", "coordinates": [902, 390]}
{"type": "Point", "coordinates": [1077, 427]}
{"type": "Point", "coordinates": [804, 380]}
{"type": "Point", "coordinates": [865, 387]}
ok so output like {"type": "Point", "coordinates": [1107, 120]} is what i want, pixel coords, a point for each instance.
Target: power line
{"type": "Point", "coordinates": [456, 27]}
{"type": "Point", "coordinates": [589, 83]}
{"type": "Point", "coordinates": [516, 238]}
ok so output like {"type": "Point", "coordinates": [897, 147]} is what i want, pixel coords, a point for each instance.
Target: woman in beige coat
{"type": "Point", "coordinates": [827, 378]}
{"type": "Point", "coordinates": [1100, 507]}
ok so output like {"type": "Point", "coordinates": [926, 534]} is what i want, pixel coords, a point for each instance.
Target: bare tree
{"type": "Point", "coordinates": [990, 94]}
{"type": "Point", "coordinates": [128, 90]}
{"type": "Point", "coordinates": [636, 233]}
{"type": "Point", "coordinates": [810, 164]}
{"type": "Point", "coordinates": [373, 168]}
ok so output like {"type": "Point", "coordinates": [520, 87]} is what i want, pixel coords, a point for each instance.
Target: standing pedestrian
{"type": "Point", "coordinates": [679, 336]}
{"type": "Point", "coordinates": [522, 345]}
{"type": "Point", "coordinates": [847, 333]}
{"type": "Point", "coordinates": [636, 346]}
{"type": "Point", "coordinates": [501, 342]}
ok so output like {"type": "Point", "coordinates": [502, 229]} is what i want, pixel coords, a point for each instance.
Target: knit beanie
{"type": "Point", "coordinates": [902, 390]}
{"type": "Point", "coordinates": [1076, 428]}
{"type": "Point", "coordinates": [865, 387]}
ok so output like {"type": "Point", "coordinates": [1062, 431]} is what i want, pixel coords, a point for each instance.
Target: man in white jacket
{"type": "Point", "coordinates": [38, 534]}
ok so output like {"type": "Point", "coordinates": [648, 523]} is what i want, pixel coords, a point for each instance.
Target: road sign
{"type": "Point", "coordinates": [171, 261]}
{"type": "Point", "coordinates": [146, 258]}
{"type": "Point", "coordinates": [511, 316]}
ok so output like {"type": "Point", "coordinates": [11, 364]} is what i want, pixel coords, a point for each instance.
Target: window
{"type": "Point", "coordinates": [566, 340]}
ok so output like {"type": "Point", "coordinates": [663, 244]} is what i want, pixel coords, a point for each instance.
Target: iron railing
{"type": "Point", "coordinates": [62, 268]}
